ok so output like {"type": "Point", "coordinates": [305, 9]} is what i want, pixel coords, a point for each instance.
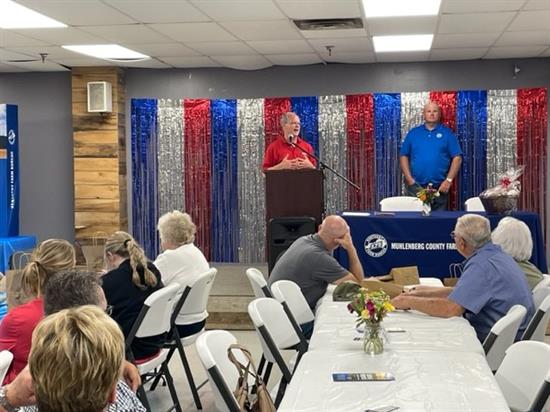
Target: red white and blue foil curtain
{"type": "Point", "coordinates": [204, 156]}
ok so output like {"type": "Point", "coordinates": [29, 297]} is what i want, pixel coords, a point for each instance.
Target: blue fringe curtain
{"type": "Point", "coordinates": [307, 109]}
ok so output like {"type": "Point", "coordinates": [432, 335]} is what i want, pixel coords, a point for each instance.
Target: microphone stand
{"type": "Point", "coordinates": [323, 165]}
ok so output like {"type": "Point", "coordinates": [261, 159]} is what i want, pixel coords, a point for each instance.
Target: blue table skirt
{"type": "Point", "coordinates": [10, 245]}
{"type": "Point", "coordinates": [385, 241]}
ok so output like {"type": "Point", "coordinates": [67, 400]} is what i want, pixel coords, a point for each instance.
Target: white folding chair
{"type": "Point", "coordinates": [474, 204]}
{"type": "Point", "coordinates": [212, 350]}
{"type": "Point", "coordinates": [536, 329]}
{"type": "Point", "coordinates": [5, 361]}
{"type": "Point", "coordinates": [544, 283]}
{"type": "Point", "coordinates": [294, 303]}
{"type": "Point", "coordinates": [539, 295]}
{"type": "Point", "coordinates": [524, 375]}
{"type": "Point", "coordinates": [276, 333]}
{"type": "Point", "coordinates": [154, 319]}
{"type": "Point", "coordinates": [258, 283]}
{"type": "Point", "coordinates": [502, 335]}
{"type": "Point", "coordinates": [194, 299]}
{"type": "Point", "coordinates": [401, 204]}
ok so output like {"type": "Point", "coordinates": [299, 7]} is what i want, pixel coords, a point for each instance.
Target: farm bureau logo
{"type": "Point", "coordinates": [376, 245]}
{"type": "Point", "coordinates": [11, 136]}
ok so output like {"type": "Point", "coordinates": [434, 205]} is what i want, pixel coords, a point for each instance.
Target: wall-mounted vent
{"type": "Point", "coordinates": [329, 24]}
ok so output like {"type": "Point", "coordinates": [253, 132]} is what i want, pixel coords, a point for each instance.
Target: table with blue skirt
{"type": "Point", "coordinates": [385, 240]}
{"type": "Point", "coordinates": [10, 245]}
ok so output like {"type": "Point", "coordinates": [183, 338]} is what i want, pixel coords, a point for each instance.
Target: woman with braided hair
{"type": "Point", "coordinates": [51, 256]}
{"type": "Point", "coordinates": [130, 279]}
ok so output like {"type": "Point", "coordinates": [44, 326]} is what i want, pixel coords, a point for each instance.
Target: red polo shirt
{"type": "Point", "coordinates": [280, 148]}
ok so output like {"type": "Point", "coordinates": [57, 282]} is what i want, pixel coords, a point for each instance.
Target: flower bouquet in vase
{"type": "Point", "coordinates": [427, 196]}
{"type": "Point", "coordinates": [371, 308]}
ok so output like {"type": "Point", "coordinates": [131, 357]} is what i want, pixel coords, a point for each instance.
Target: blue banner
{"type": "Point", "coordinates": [9, 171]}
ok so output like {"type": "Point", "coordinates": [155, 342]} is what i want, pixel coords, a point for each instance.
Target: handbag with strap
{"type": "Point", "coordinates": [256, 399]}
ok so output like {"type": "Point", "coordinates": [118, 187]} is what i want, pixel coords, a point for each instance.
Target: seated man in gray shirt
{"type": "Point", "coordinates": [309, 263]}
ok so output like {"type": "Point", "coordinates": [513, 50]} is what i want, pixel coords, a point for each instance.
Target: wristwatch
{"type": "Point", "coordinates": [449, 180]}
{"type": "Point", "coordinates": [4, 403]}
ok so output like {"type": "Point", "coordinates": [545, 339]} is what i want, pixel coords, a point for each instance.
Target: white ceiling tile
{"type": "Point", "coordinates": [403, 57]}
{"type": "Point", "coordinates": [531, 20]}
{"type": "Point", "coordinates": [537, 5]}
{"type": "Point", "coordinates": [461, 40]}
{"type": "Point", "coordinates": [62, 36]}
{"type": "Point", "coordinates": [84, 62]}
{"type": "Point", "coordinates": [458, 54]}
{"type": "Point", "coordinates": [11, 55]}
{"type": "Point", "coordinates": [293, 59]}
{"type": "Point", "coordinates": [326, 9]}
{"type": "Point", "coordinates": [159, 11]}
{"type": "Point", "coordinates": [6, 68]}
{"type": "Point", "coordinates": [191, 61]}
{"type": "Point", "coordinates": [323, 34]}
{"type": "Point", "coordinates": [41, 67]}
{"type": "Point", "coordinates": [362, 44]}
{"type": "Point", "coordinates": [477, 6]}
{"type": "Point", "coordinates": [131, 33]}
{"type": "Point", "coordinates": [514, 52]}
{"type": "Point", "coordinates": [239, 10]}
{"type": "Point", "coordinates": [194, 32]}
{"type": "Point", "coordinates": [222, 48]}
{"type": "Point", "coordinates": [54, 52]}
{"type": "Point", "coordinates": [401, 25]}
{"type": "Point", "coordinates": [163, 49]}
{"type": "Point", "coordinates": [524, 38]}
{"type": "Point", "coordinates": [475, 22]}
{"type": "Point", "coordinates": [9, 38]}
{"type": "Point", "coordinates": [281, 46]}
{"type": "Point", "coordinates": [350, 57]}
{"type": "Point", "coordinates": [263, 30]}
{"type": "Point", "coordinates": [545, 53]}
{"type": "Point", "coordinates": [243, 62]}
{"type": "Point", "coordinates": [146, 64]}
{"type": "Point", "coordinates": [78, 13]}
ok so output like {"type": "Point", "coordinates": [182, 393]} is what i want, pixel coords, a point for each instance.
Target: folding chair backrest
{"type": "Point", "coordinates": [212, 350]}
{"type": "Point", "coordinates": [258, 283]}
{"type": "Point", "coordinates": [400, 204]}
{"type": "Point", "coordinates": [545, 282]}
{"type": "Point", "coordinates": [474, 204]}
{"type": "Point", "coordinates": [197, 299]}
{"type": "Point", "coordinates": [154, 318]}
{"type": "Point", "coordinates": [539, 295]}
{"type": "Point", "coordinates": [5, 361]}
{"type": "Point", "coordinates": [536, 329]}
{"type": "Point", "coordinates": [502, 335]}
{"type": "Point", "coordinates": [522, 374]}
{"type": "Point", "coordinates": [289, 292]}
{"type": "Point", "coordinates": [274, 329]}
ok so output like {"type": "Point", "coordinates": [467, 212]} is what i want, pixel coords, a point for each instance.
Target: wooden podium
{"type": "Point", "coordinates": [294, 193]}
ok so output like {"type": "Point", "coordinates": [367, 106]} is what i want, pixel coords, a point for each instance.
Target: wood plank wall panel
{"type": "Point", "coordinates": [99, 156]}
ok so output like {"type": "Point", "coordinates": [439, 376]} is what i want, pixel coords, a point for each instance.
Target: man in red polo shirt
{"type": "Point", "coordinates": [282, 154]}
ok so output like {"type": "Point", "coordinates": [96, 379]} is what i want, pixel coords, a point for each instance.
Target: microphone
{"type": "Point", "coordinates": [291, 139]}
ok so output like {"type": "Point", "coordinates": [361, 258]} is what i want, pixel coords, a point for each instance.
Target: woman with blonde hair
{"type": "Point", "coordinates": [130, 279]}
{"type": "Point", "coordinates": [51, 256]}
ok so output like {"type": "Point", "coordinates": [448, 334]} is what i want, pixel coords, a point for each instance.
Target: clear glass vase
{"type": "Point", "coordinates": [426, 209]}
{"type": "Point", "coordinates": [373, 344]}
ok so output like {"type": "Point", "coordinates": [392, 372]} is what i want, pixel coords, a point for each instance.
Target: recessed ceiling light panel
{"type": "Point", "coordinates": [415, 42]}
{"type": "Point", "coordinates": [16, 16]}
{"type": "Point", "coordinates": [108, 52]}
{"type": "Point", "coordinates": [399, 8]}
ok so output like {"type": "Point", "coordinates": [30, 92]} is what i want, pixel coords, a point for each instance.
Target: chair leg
{"type": "Point", "coordinates": [267, 372]}
{"type": "Point", "coordinates": [159, 376]}
{"type": "Point", "coordinates": [143, 398]}
{"type": "Point", "coordinates": [171, 387]}
{"type": "Point", "coordinates": [280, 392]}
{"type": "Point", "coordinates": [261, 365]}
{"type": "Point", "coordinates": [189, 375]}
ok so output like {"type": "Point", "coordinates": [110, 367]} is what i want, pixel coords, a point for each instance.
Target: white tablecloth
{"type": "Point", "coordinates": [424, 381]}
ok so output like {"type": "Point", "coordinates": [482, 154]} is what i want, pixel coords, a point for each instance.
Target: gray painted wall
{"type": "Point", "coordinates": [46, 151]}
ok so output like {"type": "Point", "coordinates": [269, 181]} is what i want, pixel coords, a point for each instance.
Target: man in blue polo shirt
{"type": "Point", "coordinates": [430, 154]}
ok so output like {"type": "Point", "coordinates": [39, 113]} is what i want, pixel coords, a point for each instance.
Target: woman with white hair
{"type": "Point", "coordinates": [182, 262]}
{"type": "Point", "coordinates": [514, 237]}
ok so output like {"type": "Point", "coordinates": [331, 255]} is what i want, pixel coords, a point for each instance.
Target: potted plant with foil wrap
{"type": "Point", "coordinates": [371, 308]}
{"type": "Point", "coordinates": [427, 196]}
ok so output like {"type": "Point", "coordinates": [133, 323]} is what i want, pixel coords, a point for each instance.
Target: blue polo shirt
{"type": "Point", "coordinates": [430, 153]}
{"type": "Point", "coordinates": [492, 282]}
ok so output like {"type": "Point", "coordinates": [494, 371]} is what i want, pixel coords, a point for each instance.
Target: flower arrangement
{"type": "Point", "coordinates": [428, 194]}
{"type": "Point", "coordinates": [370, 307]}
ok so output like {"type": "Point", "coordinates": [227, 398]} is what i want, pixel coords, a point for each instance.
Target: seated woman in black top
{"type": "Point", "coordinates": [130, 279]}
